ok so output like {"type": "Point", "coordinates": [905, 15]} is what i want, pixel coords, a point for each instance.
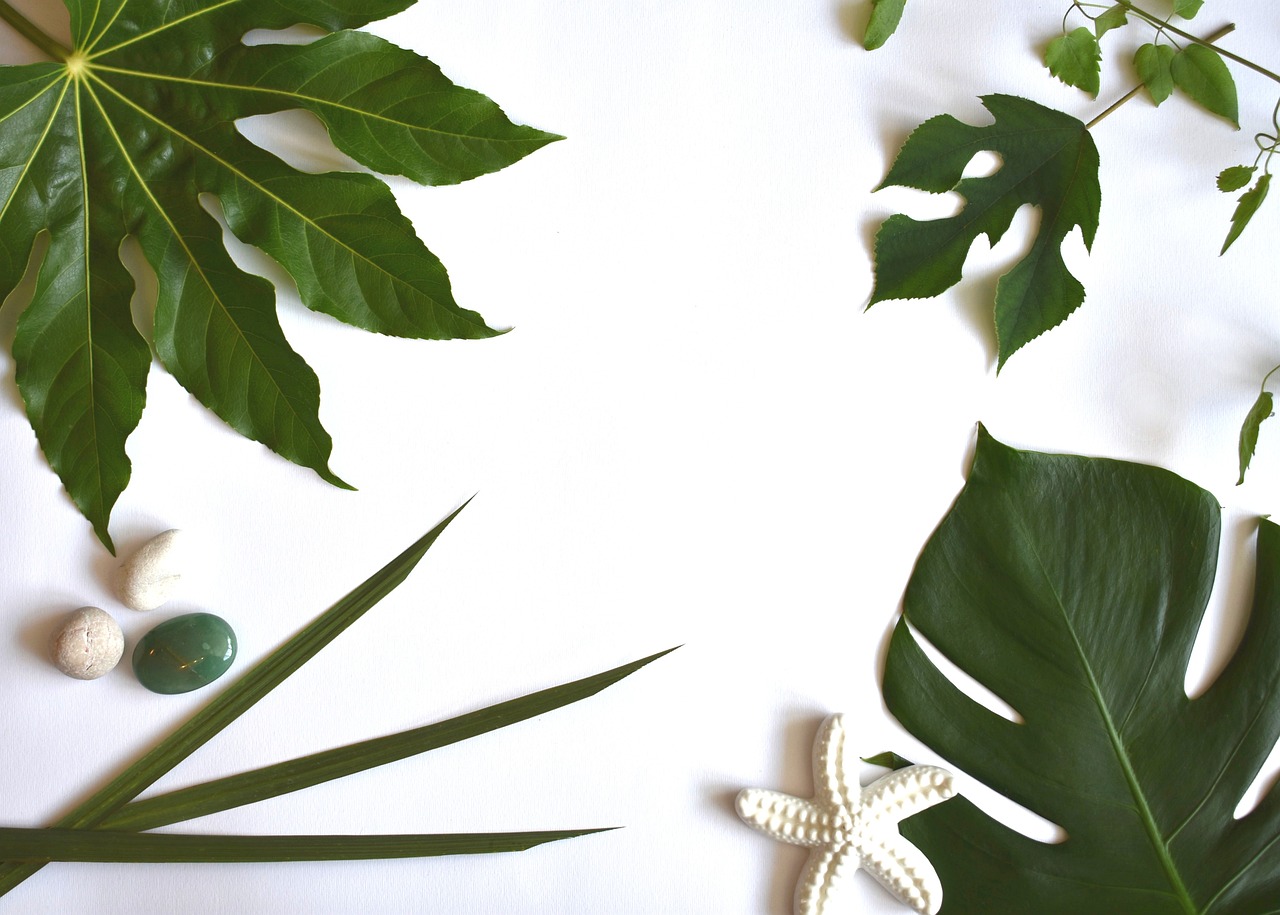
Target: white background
{"type": "Point", "coordinates": [695, 435]}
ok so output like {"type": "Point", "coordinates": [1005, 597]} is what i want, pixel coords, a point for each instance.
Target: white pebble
{"type": "Point", "coordinates": [88, 644]}
{"type": "Point", "coordinates": [152, 575]}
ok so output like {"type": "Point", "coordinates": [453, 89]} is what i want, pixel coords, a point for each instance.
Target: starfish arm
{"type": "Point", "coordinates": [904, 871]}
{"type": "Point", "coordinates": [790, 819]}
{"type": "Point", "coordinates": [900, 794]}
{"type": "Point", "coordinates": [830, 766]}
{"type": "Point", "coordinates": [824, 880]}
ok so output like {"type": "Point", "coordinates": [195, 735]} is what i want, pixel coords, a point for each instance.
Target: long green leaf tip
{"type": "Point", "coordinates": [269, 673]}
{"type": "Point", "coordinates": [306, 771]}
{"type": "Point", "coordinates": [45, 845]}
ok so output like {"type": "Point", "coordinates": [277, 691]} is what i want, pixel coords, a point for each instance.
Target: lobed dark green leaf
{"type": "Point", "coordinates": [1049, 161]}
{"type": "Point", "coordinates": [1076, 59]}
{"type": "Point", "coordinates": [1201, 73]}
{"type": "Point", "coordinates": [135, 134]}
{"type": "Point", "coordinates": [1073, 589]}
{"type": "Point", "coordinates": [1260, 412]}
{"type": "Point", "coordinates": [1154, 65]}
{"type": "Point", "coordinates": [1246, 207]}
{"type": "Point", "coordinates": [885, 17]}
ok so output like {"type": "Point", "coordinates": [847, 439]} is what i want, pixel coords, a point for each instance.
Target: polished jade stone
{"type": "Point", "coordinates": [184, 653]}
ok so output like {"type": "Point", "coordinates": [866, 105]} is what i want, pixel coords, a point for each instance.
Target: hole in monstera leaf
{"type": "Point", "coordinates": [296, 34]}
{"type": "Point", "coordinates": [1009, 812]}
{"type": "Point", "coordinates": [1268, 780]}
{"type": "Point", "coordinates": [1227, 614]}
{"type": "Point", "coordinates": [300, 139]}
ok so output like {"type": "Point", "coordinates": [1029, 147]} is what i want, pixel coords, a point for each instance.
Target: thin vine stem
{"type": "Point", "coordinates": [33, 33]}
{"type": "Point", "coordinates": [1205, 42]}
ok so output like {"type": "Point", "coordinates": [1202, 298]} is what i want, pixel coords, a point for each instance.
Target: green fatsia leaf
{"type": "Point", "coordinates": [1049, 160]}
{"type": "Point", "coordinates": [1073, 588]}
{"type": "Point", "coordinates": [127, 135]}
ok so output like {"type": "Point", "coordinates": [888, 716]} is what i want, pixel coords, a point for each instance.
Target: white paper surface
{"type": "Point", "coordinates": [694, 436]}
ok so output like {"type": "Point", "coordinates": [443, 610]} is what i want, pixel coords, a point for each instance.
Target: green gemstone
{"type": "Point", "coordinates": [184, 653]}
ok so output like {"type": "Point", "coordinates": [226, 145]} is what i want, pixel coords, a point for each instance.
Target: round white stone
{"type": "Point", "coordinates": [88, 644]}
{"type": "Point", "coordinates": [153, 574]}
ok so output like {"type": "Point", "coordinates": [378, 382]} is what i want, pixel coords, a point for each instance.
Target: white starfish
{"type": "Point", "coordinates": [850, 827]}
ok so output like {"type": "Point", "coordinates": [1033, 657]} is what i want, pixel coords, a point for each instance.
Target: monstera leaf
{"type": "Point", "coordinates": [120, 136]}
{"type": "Point", "coordinates": [1048, 160]}
{"type": "Point", "coordinates": [1073, 588]}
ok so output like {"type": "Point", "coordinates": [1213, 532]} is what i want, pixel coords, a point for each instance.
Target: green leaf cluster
{"type": "Point", "coordinates": [108, 826]}
{"type": "Point", "coordinates": [1048, 160]}
{"type": "Point", "coordinates": [121, 136]}
{"type": "Point", "coordinates": [1073, 589]}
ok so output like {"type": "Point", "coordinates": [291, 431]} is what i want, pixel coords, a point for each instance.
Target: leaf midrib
{"type": "Point", "coordinates": [266, 192]}
{"type": "Point", "coordinates": [195, 263]}
{"type": "Point", "coordinates": [1113, 735]}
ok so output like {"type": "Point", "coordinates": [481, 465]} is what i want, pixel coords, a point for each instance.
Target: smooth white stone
{"type": "Point", "coordinates": [152, 575]}
{"type": "Point", "coordinates": [88, 644]}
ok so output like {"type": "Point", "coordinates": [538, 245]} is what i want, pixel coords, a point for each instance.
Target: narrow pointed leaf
{"type": "Point", "coordinates": [1076, 59]}
{"type": "Point", "coordinates": [238, 698]}
{"type": "Point", "coordinates": [1154, 65]}
{"type": "Point", "coordinates": [294, 775]}
{"type": "Point", "coordinates": [127, 134]}
{"type": "Point", "coordinates": [1259, 413]}
{"type": "Point", "coordinates": [1247, 206]}
{"type": "Point", "coordinates": [40, 846]}
{"type": "Point", "coordinates": [885, 17]}
{"type": "Point", "coordinates": [1049, 161]}
{"type": "Point", "coordinates": [1073, 589]}
{"type": "Point", "coordinates": [1201, 73]}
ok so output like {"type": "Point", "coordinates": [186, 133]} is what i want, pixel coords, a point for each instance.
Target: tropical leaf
{"type": "Point", "coordinates": [1073, 588]}
{"type": "Point", "coordinates": [1048, 160]}
{"type": "Point", "coordinates": [123, 134]}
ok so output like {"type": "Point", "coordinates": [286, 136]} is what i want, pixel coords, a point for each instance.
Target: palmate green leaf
{"type": "Point", "coordinates": [885, 16]}
{"type": "Point", "coordinates": [1049, 161]}
{"type": "Point", "coordinates": [1076, 59]}
{"type": "Point", "coordinates": [1073, 588]}
{"type": "Point", "coordinates": [1246, 207]}
{"type": "Point", "coordinates": [1203, 75]}
{"type": "Point", "coordinates": [123, 136]}
{"type": "Point", "coordinates": [1259, 413]}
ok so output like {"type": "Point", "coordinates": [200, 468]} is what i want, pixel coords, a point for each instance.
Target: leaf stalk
{"type": "Point", "coordinates": [55, 49]}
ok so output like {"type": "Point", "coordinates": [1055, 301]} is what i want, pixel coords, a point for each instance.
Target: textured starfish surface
{"type": "Point", "coordinates": [850, 827]}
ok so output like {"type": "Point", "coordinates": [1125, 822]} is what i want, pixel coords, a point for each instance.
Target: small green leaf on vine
{"type": "Point", "coordinates": [1114, 18]}
{"type": "Point", "coordinates": [1152, 62]}
{"type": "Point", "coordinates": [1075, 58]}
{"type": "Point", "coordinates": [1204, 77]}
{"type": "Point", "coordinates": [885, 16]}
{"type": "Point", "coordinates": [1259, 413]}
{"type": "Point", "coordinates": [1235, 177]}
{"type": "Point", "coordinates": [1187, 9]}
{"type": "Point", "coordinates": [1250, 200]}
